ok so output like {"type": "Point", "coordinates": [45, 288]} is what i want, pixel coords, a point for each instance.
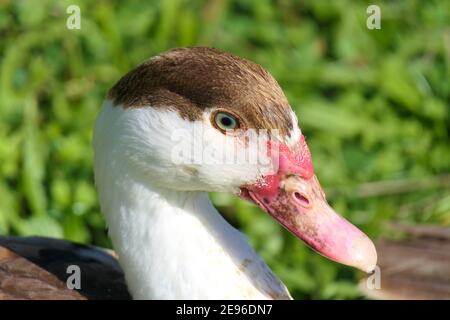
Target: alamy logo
{"type": "Point", "coordinates": [374, 280]}
{"type": "Point", "coordinates": [74, 280]}
{"type": "Point", "coordinates": [374, 19]}
{"type": "Point", "coordinates": [74, 20]}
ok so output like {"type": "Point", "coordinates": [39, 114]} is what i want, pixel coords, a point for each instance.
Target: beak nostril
{"type": "Point", "coordinates": [301, 199]}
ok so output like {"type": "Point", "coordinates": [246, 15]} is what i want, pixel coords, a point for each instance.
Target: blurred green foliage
{"type": "Point", "coordinates": [373, 104]}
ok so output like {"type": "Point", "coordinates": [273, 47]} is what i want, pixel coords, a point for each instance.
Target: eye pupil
{"type": "Point", "coordinates": [226, 121]}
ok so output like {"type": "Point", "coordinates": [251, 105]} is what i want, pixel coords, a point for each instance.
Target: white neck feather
{"type": "Point", "coordinates": [175, 245]}
{"type": "Point", "coordinates": [171, 244]}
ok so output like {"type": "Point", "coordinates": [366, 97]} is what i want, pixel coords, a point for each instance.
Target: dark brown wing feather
{"type": "Point", "coordinates": [36, 268]}
{"type": "Point", "coordinates": [417, 267]}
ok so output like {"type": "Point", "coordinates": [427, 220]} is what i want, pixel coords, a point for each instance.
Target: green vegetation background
{"type": "Point", "coordinates": [373, 104]}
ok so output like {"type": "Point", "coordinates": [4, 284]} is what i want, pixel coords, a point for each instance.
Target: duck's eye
{"type": "Point", "coordinates": [226, 121]}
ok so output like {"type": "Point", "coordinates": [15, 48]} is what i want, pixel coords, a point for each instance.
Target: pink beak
{"type": "Point", "coordinates": [294, 197]}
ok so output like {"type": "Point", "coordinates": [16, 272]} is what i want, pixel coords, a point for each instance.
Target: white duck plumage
{"type": "Point", "coordinates": [171, 244]}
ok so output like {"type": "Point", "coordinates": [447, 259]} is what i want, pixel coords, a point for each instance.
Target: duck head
{"type": "Point", "coordinates": [201, 119]}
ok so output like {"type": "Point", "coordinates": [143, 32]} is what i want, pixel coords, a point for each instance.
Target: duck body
{"type": "Point", "coordinates": [36, 268]}
{"type": "Point", "coordinates": [196, 120]}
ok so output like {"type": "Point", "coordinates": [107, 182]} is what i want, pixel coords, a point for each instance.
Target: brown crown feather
{"type": "Point", "coordinates": [191, 80]}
